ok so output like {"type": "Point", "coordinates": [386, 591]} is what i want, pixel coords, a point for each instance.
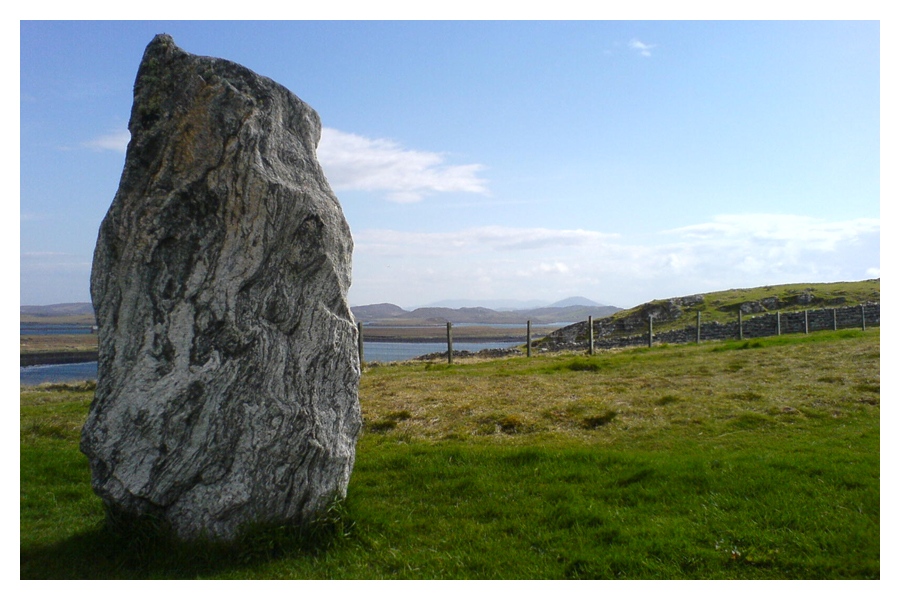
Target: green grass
{"type": "Point", "coordinates": [708, 461]}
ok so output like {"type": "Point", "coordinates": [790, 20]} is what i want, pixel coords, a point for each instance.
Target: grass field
{"type": "Point", "coordinates": [63, 342]}
{"type": "Point", "coordinates": [737, 460]}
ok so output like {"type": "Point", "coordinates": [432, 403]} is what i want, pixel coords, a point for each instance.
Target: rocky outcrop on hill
{"type": "Point", "coordinates": [661, 311]}
{"type": "Point", "coordinates": [228, 366]}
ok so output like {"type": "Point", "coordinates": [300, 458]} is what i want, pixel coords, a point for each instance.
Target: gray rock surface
{"type": "Point", "coordinates": [752, 307]}
{"type": "Point", "coordinates": [228, 366]}
{"type": "Point", "coordinates": [692, 300]}
{"type": "Point", "coordinates": [770, 303]}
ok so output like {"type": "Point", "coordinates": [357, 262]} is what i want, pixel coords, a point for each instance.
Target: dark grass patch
{"type": "Point", "coordinates": [747, 396]}
{"type": "Point", "coordinates": [874, 388]}
{"type": "Point", "coordinates": [400, 415]}
{"type": "Point", "coordinates": [381, 425]}
{"type": "Point", "coordinates": [432, 366]}
{"type": "Point", "coordinates": [598, 420]}
{"type": "Point", "coordinates": [750, 420]}
{"type": "Point", "coordinates": [635, 477]}
{"type": "Point", "coordinates": [578, 364]}
{"type": "Point", "coordinates": [669, 399]}
{"type": "Point", "coordinates": [509, 424]}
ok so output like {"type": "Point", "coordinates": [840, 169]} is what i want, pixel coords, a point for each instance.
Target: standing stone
{"type": "Point", "coordinates": [228, 371]}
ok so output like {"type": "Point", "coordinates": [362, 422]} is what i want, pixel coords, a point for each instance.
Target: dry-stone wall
{"type": "Point", "coordinates": [609, 334]}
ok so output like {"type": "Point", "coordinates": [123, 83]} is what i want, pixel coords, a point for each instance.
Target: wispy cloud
{"type": "Point", "coordinates": [355, 162]}
{"type": "Point", "coordinates": [35, 216]}
{"type": "Point", "coordinates": [496, 262]}
{"type": "Point", "coordinates": [779, 230]}
{"type": "Point", "coordinates": [641, 48]}
{"type": "Point", "coordinates": [117, 141]}
{"type": "Point", "coordinates": [475, 240]}
{"type": "Point", "coordinates": [40, 255]}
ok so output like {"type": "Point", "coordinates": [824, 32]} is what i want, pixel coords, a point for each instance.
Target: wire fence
{"type": "Point", "coordinates": [398, 344]}
{"type": "Point", "coordinates": [449, 342]}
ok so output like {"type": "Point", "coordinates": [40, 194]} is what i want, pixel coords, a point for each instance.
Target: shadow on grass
{"type": "Point", "coordinates": [146, 550]}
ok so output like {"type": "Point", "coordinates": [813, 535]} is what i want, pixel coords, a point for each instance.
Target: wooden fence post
{"type": "Point", "coordinates": [359, 343]}
{"type": "Point", "coordinates": [698, 326]}
{"type": "Point", "coordinates": [778, 323]}
{"type": "Point", "coordinates": [806, 321]}
{"type": "Point", "coordinates": [834, 318]}
{"type": "Point", "coordinates": [862, 308]}
{"type": "Point", "coordinates": [528, 339]}
{"type": "Point", "coordinates": [740, 324]}
{"type": "Point", "coordinates": [650, 333]}
{"type": "Point", "coordinates": [449, 343]}
{"type": "Point", "coordinates": [590, 325]}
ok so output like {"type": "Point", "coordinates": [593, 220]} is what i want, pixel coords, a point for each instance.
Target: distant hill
{"type": "Point", "coordinates": [72, 313]}
{"type": "Point", "coordinates": [498, 305]}
{"type": "Point", "coordinates": [82, 313]}
{"type": "Point", "coordinates": [511, 305]}
{"type": "Point", "coordinates": [391, 314]}
{"type": "Point", "coordinates": [374, 312]}
{"type": "Point", "coordinates": [575, 301]}
{"type": "Point", "coordinates": [71, 309]}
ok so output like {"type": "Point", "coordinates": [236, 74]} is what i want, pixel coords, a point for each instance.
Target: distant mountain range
{"type": "Point", "coordinates": [510, 305]}
{"type": "Point", "coordinates": [71, 313]}
{"type": "Point", "coordinates": [565, 311]}
{"type": "Point", "coordinates": [71, 309]}
{"type": "Point", "coordinates": [560, 312]}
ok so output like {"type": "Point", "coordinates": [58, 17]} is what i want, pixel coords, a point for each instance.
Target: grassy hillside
{"type": "Point", "coordinates": [717, 460]}
{"type": "Point", "coordinates": [724, 305]}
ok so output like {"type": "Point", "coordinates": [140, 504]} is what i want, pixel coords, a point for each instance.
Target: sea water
{"type": "Point", "coordinates": [372, 352]}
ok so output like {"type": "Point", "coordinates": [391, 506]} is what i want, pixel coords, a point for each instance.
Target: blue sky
{"type": "Point", "coordinates": [623, 161]}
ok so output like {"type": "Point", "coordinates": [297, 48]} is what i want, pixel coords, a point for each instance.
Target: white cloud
{"type": "Point", "coordinates": [43, 260]}
{"type": "Point", "coordinates": [116, 141]}
{"type": "Point", "coordinates": [355, 162]}
{"type": "Point", "coordinates": [642, 48]}
{"type": "Point", "coordinates": [731, 251]}
{"type": "Point", "coordinates": [544, 269]}
{"type": "Point", "coordinates": [779, 230]}
{"type": "Point", "coordinates": [474, 240]}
